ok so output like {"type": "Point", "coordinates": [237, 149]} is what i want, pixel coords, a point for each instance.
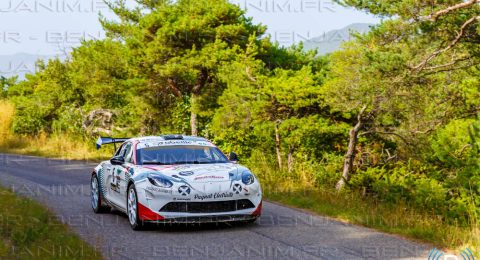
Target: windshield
{"type": "Point", "coordinates": [180, 154]}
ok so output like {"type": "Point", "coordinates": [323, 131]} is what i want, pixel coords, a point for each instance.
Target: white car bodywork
{"type": "Point", "coordinates": [179, 193]}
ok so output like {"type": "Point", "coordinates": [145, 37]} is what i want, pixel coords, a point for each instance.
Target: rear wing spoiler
{"type": "Point", "coordinates": [109, 140]}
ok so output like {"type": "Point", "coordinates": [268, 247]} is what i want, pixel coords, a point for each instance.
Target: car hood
{"type": "Point", "coordinates": [199, 173]}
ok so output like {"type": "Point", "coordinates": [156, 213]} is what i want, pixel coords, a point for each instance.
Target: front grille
{"type": "Point", "coordinates": [208, 207]}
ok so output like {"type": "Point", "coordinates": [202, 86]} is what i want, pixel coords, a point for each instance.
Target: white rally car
{"type": "Point", "coordinates": [174, 179]}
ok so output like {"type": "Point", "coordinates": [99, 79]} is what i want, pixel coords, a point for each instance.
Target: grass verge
{"type": "Point", "coordinates": [30, 231]}
{"type": "Point", "coordinates": [348, 207]}
{"type": "Point", "coordinates": [297, 190]}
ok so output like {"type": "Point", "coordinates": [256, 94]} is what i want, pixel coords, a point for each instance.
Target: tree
{"type": "Point", "coordinates": [394, 77]}
{"type": "Point", "coordinates": [445, 33]}
{"type": "Point", "coordinates": [361, 84]}
{"type": "Point", "coordinates": [179, 46]}
{"type": "Point", "coordinates": [271, 104]}
{"type": "Point", "coordinates": [5, 83]}
{"type": "Point", "coordinates": [62, 95]}
{"type": "Point", "coordinates": [40, 98]}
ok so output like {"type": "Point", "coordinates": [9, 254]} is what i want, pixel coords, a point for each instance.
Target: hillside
{"type": "Point", "coordinates": [331, 41]}
{"type": "Point", "coordinates": [20, 64]}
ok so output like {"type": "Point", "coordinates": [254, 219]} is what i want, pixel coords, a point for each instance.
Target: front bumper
{"type": "Point", "coordinates": [205, 202]}
{"type": "Point", "coordinates": [205, 219]}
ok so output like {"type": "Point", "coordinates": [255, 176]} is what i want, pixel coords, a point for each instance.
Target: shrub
{"type": "Point", "coordinates": [451, 144]}
{"type": "Point", "coordinates": [327, 171]}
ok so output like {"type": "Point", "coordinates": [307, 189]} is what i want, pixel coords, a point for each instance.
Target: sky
{"type": "Point", "coordinates": [53, 27]}
{"type": "Point", "coordinates": [49, 27]}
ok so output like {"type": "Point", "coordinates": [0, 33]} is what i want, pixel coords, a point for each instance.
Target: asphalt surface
{"type": "Point", "coordinates": [281, 232]}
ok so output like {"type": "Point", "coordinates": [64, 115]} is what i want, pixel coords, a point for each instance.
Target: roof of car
{"type": "Point", "coordinates": [165, 140]}
{"type": "Point", "coordinates": [169, 137]}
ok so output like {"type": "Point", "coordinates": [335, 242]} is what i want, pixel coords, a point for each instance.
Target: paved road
{"type": "Point", "coordinates": [281, 232]}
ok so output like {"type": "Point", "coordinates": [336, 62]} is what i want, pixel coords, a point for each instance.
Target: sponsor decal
{"type": "Point", "coordinates": [185, 173]}
{"type": "Point", "coordinates": [174, 142]}
{"type": "Point", "coordinates": [208, 177]}
{"type": "Point", "coordinates": [153, 143]}
{"type": "Point", "coordinates": [184, 190]}
{"type": "Point", "coordinates": [181, 167]}
{"type": "Point", "coordinates": [182, 199]}
{"type": "Point", "coordinates": [157, 189]}
{"type": "Point", "coordinates": [237, 188]}
{"type": "Point", "coordinates": [216, 195]}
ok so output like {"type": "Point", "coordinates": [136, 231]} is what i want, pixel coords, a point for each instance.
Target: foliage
{"type": "Point", "coordinates": [179, 47]}
{"type": "Point", "coordinates": [451, 144]}
{"type": "Point", "coordinates": [5, 83]}
{"type": "Point", "coordinates": [165, 63]}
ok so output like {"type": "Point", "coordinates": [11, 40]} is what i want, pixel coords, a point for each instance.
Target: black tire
{"type": "Point", "coordinates": [96, 199]}
{"type": "Point", "coordinates": [132, 209]}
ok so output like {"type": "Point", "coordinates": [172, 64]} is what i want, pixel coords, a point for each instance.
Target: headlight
{"type": "Point", "coordinates": [247, 178]}
{"type": "Point", "coordinates": [160, 181]}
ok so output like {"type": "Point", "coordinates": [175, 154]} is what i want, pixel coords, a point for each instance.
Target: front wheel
{"type": "Point", "coordinates": [132, 209]}
{"type": "Point", "coordinates": [96, 196]}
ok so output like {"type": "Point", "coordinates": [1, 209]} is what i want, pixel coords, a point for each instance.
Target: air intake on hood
{"type": "Point", "coordinates": [172, 137]}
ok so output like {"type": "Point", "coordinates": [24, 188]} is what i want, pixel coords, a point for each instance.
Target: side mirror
{"type": "Point", "coordinates": [117, 160]}
{"type": "Point", "coordinates": [233, 157]}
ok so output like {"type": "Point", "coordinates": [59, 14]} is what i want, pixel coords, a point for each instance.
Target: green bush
{"type": "Point", "coordinates": [451, 144]}
{"type": "Point", "coordinates": [326, 171]}
{"type": "Point", "coordinates": [429, 194]}
{"type": "Point", "coordinates": [30, 118]}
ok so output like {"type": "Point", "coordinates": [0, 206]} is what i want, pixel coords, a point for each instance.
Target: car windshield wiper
{"type": "Point", "coordinates": [156, 163]}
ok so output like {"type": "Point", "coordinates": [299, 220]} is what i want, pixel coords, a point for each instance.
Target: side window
{"type": "Point", "coordinates": [124, 150]}
{"type": "Point", "coordinates": [120, 150]}
{"type": "Point", "coordinates": [128, 153]}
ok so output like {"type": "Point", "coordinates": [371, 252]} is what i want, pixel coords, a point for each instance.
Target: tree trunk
{"type": "Point", "coordinates": [278, 144]}
{"type": "Point", "coordinates": [193, 115]}
{"type": "Point", "coordinates": [290, 158]}
{"type": "Point", "coordinates": [202, 80]}
{"type": "Point", "coordinates": [350, 155]}
{"type": "Point", "coordinates": [193, 123]}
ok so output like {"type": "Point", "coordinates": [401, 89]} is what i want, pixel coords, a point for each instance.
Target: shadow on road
{"type": "Point", "coordinates": [184, 227]}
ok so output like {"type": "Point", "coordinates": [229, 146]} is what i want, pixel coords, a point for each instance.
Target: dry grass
{"type": "Point", "coordinates": [55, 146]}
{"type": "Point", "coordinates": [58, 146]}
{"type": "Point", "coordinates": [298, 189]}
{"type": "Point", "coordinates": [7, 112]}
